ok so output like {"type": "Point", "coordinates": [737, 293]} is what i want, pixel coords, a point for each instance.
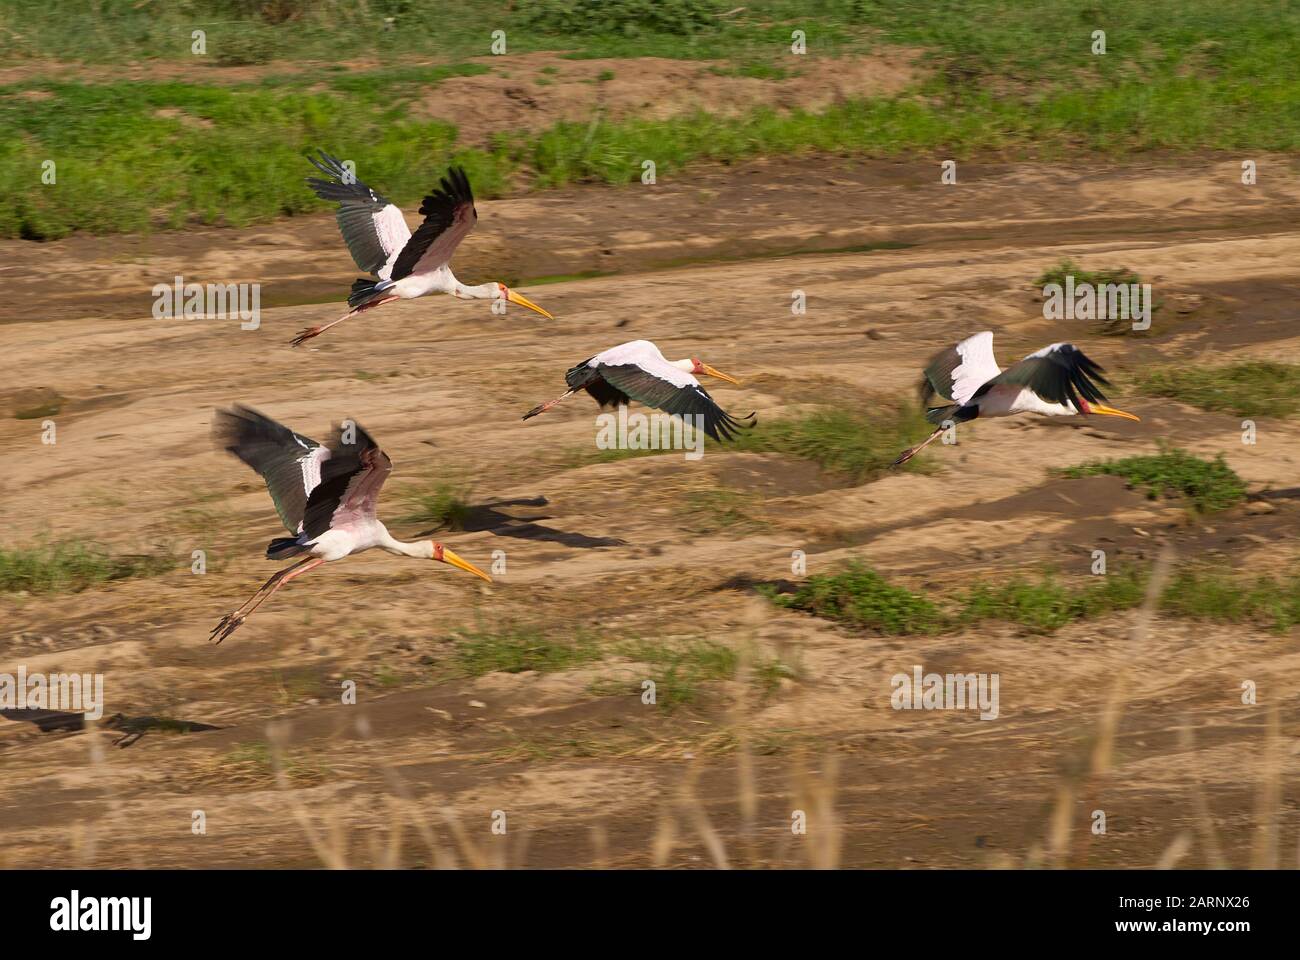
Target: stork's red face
{"type": "Point", "coordinates": [444, 555]}
{"type": "Point", "coordinates": [1086, 407]}
{"type": "Point", "coordinates": [519, 298]}
{"type": "Point", "coordinates": [700, 368]}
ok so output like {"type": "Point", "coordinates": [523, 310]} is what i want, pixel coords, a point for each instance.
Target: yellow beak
{"type": "Point", "coordinates": [1111, 412]}
{"type": "Point", "coordinates": [455, 561]}
{"type": "Point", "coordinates": [523, 301]}
{"type": "Point", "coordinates": [719, 374]}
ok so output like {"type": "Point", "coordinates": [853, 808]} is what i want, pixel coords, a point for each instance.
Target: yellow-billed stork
{"type": "Point", "coordinates": [325, 495]}
{"type": "Point", "coordinates": [1056, 381]}
{"type": "Point", "coordinates": [405, 265]}
{"type": "Point", "coordinates": [637, 370]}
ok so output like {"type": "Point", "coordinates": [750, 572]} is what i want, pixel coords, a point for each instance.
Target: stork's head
{"type": "Point", "coordinates": [699, 368]}
{"type": "Point", "coordinates": [1086, 407]}
{"type": "Point", "coordinates": [438, 552]}
{"type": "Point", "coordinates": [505, 293]}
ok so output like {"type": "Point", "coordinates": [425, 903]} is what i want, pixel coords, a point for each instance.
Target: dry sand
{"type": "Point", "coordinates": [704, 265]}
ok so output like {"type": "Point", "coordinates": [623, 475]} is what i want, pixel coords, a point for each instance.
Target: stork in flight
{"type": "Point", "coordinates": [1056, 381]}
{"type": "Point", "coordinates": [325, 495]}
{"type": "Point", "coordinates": [637, 370]}
{"type": "Point", "coordinates": [406, 265]}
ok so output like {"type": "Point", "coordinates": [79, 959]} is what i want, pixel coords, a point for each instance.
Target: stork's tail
{"type": "Point", "coordinates": [364, 290]}
{"type": "Point", "coordinates": [282, 547]}
{"type": "Point", "coordinates": [940, 414]}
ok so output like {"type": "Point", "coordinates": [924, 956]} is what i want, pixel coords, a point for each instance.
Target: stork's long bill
{"type": "Point", "coordinates": [446, 556]}
{"type": "Point", "coordinates": [1109, 411]}
{"type": "Point", "coordinates": [705, 368]}
{"type": "Point", "coordinates": [515, 296]}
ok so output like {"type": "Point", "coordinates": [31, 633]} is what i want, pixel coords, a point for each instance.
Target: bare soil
{"type": "Point", "coordinates": [532, 92]}
{"type": "Point", "coordinates": [894, 267]}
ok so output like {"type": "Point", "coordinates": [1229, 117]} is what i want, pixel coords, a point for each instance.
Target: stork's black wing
{"type": "Point", "coordinates": [274, 451]}
{"type": "Point", "coordinates": [584, 377]}
{"type": "Point", "coordinates": [350, 478]}
{"type": "Point", "coordinates": [686, 401]}
{"type": "Point", "coordinates": [372, 226]}
{"type": "Point", "coordinates": [449, 216]}
{"type": "Point", "coordinates": [1058, 374]}
{"type": "Point", "coordinates": [936, 379]}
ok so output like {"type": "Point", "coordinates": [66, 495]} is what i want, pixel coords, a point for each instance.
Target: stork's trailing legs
{"type": "Point", "coordinates": [910, 452]}
{"type": "Point", "coordinates": [231, 622]}
{"type": "Point", "coordinates": [542, 408]}
{"type": "Point", "coordinates": [305, 335]}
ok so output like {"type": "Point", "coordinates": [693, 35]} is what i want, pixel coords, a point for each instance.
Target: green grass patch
{"type": "Point", "coordinates": [135, 156]}
{"type": "Point", "coordinates": [863, 598]}
{"type": "Point", "coordinates": [44, 568]}
{"type": "Point", "coordinates": [855, 446]}
{"type": "Point", "coordinates": [243, 32]}
{"type": "Point", "coordinates": [858, 446]}
{"type": "Point", "coordinates": [680, 670]}
{"type": "Point", "coordinates": [1120, 312]}
{"type": "Point", "coordinates": [1047, 604]}
{"type": "Point", "coordinates": [1097, 278]}
{"type": "Point", "coordinates": [758, 70]}
{"type": "Point", "coordinates": [860, 597]}
{"type": "Point", "coordinates": [1203, 594]}
{"type": "Point", "coordinates": [1208, 485]}
{"type": "Point", "coordinates": [443, 505]}
{"type": "Point", "coordinates": [1255, 388]}
{"type": "Point", "coordinates": [628, 18]}
{"type": "Point", "coordinates": [517, 648]}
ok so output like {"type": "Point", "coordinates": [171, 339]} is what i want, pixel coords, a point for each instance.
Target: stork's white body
{"type": "Point", "coordinates": [1008, 400]}
{"type": "Point", "coordinates": [442, 280]}
{"type": "Point", "coordinates": [644, 354]}
{"type": "Point", "coordinates": [355, 525]}
{"type": "Point", "coordinates": [979, 366]}
{"type": "Point", "coordinates": [638, 370]}
{"type": "Point", "coordinates": [1056, 381]}
{"type": "Point", "coordinates": [366, 534]}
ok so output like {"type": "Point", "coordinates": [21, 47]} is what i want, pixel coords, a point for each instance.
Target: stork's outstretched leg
{"type": "Point", "coordinates": [305, 335]}
{"type": "Point", "coordinates": [542, 408]}
{"type": "Point", "coordinates": [909, 453]}
{"type": "Point", "coordinates": [230, 623]}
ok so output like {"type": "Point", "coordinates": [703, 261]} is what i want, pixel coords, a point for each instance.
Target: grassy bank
{"type": "Point", "coordinates": [1253, 388]}
{"type": "Point", "coordinates": [1017, 78]}
{"type": "Point", "coordinates": [1207, 485]}
{"type": "Point", "coordinates": [861, 597]}
{"type": "Point", "coordinates": [856, 446]}
{"type": "Point", "coordinates": [44, 568]}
